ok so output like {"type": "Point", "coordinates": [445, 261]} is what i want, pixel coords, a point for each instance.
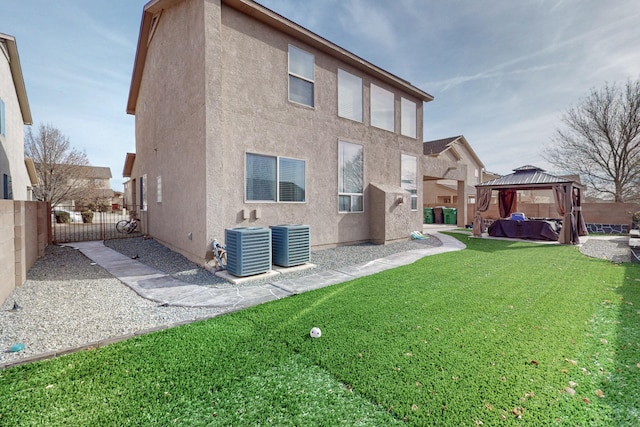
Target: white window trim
{"type": "Point", "coordinates": [289, 73]}
{"type": "Point", "coordinates": [159, 189]}
{"type": "Point", "coordinates": [351, 195]}
{"type": "Point", "coordinates": [277, 200]}
{"type": "Point", "coordinates": [406, 102]}
{"type": "Point", "coordinates": [361, 112]}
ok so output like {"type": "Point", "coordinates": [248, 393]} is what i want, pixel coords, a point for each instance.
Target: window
{"type": "Point", "coordinates": [5, 187]}
{"type": "Point", "coordinates": [350, 177]}
{"type": "Point", "coordinates": [159, 189]}
{"type": "Point", "coordinates": [408, 178]}
{"type": "Point", "coordinates": [270, 179]}
{"type": "Point", "coordinates": [349, 96]}
{"type": "Point", "coordinates": [408, 118]}
{"type": "Point", "coordinates": [3, 123]}
{"type": "Point", "coordinates": [301, 76]}
{"type": "Point", "coordinates": [143, 192]}
{"type": "Point", "coordinates": [382, 108]}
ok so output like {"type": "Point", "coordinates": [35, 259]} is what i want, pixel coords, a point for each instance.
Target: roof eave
{"type": "Point", "coordinates": [18, 79]}
{"type": "Point", "coordinates": [273, 20]}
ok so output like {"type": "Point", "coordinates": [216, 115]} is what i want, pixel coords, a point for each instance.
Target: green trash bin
{"type": "Point", "coordinates": [428, 215]}
{"type": "Point", "coordinates": [450, 216]}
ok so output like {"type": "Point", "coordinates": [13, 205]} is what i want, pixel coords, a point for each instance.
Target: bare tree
{"type": "Point", "coordinates": [61, 176]}
{"type": "Point", "coordinates": [601, 141]}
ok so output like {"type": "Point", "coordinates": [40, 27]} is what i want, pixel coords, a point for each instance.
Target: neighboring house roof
{"type": "Point", "coordinates": [96, 172]}
{"type": "Point", "coordinates": [526, 176]}
{"type": "Point", "coordinates": [128, 165]}
{"type": "Point", "coordinates": [436, 147]}
{"type": "Point", "coordinates": [268, 17]}
{"type": "Point", "coordinates": [8, 47]}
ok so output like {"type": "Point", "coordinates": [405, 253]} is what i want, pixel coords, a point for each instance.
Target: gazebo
{"type": "Point", "coordinates": [567, 195]}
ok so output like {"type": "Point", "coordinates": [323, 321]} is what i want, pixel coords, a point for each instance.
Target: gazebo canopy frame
{"type": "Point", "coordinates": [567, 194]}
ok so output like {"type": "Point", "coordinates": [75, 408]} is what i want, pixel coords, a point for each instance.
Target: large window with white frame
{"type": "Point", "coordinates": [271, 179]}
{"type": "Point", "coordinates": [350, 177]}
{"type": "Point", "coordinates": [349, 96]}
{"type": "Point", "coordinates": [408, 116]}
{"type": "Point", "coordinates": [382, 108]}
{"type": "Point", "coordinates": [409, 178]}
{"type": "Point", "coordinates": [3, 123]}
{"type": "Point", "coordinates": [301, 76]}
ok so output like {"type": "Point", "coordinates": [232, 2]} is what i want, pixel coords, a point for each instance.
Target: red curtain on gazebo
{"type": "Point", "coordinates": [507, 201]}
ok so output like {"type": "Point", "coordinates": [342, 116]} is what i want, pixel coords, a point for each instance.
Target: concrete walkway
{"type": "Point", "coordinates": [160, 287]}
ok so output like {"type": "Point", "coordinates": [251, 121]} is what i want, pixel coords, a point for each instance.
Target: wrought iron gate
{"type": "Point", "coordinates": [69, 225]}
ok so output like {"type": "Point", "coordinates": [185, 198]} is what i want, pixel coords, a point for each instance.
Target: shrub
{"type": "Point", "coordinates": [87, 216]}
{"type": "Point", "coordinates": [635, 220]}
{"type": "Point", "coordinates": [62, 217]}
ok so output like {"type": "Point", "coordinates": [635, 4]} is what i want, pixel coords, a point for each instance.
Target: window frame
{"type": "Point", "coordinates": [291, 74]}
{"type": "Point", "coordinates": [352, 195]}
{"type": "Point", "coordinates": [277, 179]}
{"type": "Point", "coordinates": [412, 119]}
{"type": "Point", "coordinates": [406, 185]}
{"type": "Point", "coordinates": [3, 118]}
{"type": "Point", "coordinates": [343, 82]}
{"type": "Point", "coordinates": [159, 189]}
{"type": "Point", "coordinates": [376, 108]}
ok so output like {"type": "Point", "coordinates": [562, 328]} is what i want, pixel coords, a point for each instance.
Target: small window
{"type": "Point", "coordinates": [408, 116]}
{"type": "Point", "coordinates": [350, 177]}
{"type": "Point", "coordinates": [349, 96]}
{"type": "Point", "coordinates": [3, 124]}
{"type": "Point", "coordinates": [159, 189]}
{"type": "Point", "coordinates": [270, 179]}
{"type": "Point", "coordinates": [382, 108]}
{"type": "Point", "coordinates": [408, 178]}
{"type": "Point", "coordinates": [143, 192]}
{"type": "Point", "coordinates": [301, 76]}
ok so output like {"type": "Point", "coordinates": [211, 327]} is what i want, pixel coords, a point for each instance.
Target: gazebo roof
{"type": "Point", "coordinates": [526, 176]}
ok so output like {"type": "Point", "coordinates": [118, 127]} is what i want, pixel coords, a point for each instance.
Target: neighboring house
{"type": "Point", "coordinates": [439, 192]}
{"type": "Point", "coordinates": [84, 186]}
{"type": "Point", "coordinates": [244, 118]}
{"type": "Point", "coordinates": [15, 179]}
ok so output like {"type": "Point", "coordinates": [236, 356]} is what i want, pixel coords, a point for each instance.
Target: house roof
{"type": "Point", "coordinates": [526, 176]}
{"type": "Point", "coordinates": [280, 23]}
{"type": "Point", "coordinates": [95, 172]}
{"type": "Point", "coordinates": [11, 49]}
{"type": "Point", "coordinates": [128, 165]}
{"type": "Point", "coordinates": [439, 146]}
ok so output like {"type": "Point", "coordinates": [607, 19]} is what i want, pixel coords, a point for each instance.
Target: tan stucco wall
{"type": "Point", "coordinates": [24, 234]}
{"type": "Point", "coordinates": [12, 143]}
{"type": "Point", "coordinates": [215, 86]}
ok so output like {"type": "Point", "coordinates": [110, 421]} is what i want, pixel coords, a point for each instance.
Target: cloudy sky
{"type": "Point", "coordinates": [502, 72]}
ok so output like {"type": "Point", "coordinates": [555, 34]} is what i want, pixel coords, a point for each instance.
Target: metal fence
{"type": "Point", "coordinates": [71, 225]}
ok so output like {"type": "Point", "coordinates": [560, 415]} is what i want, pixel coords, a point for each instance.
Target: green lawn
{"type": "Point", "coordinates": [501, 333]}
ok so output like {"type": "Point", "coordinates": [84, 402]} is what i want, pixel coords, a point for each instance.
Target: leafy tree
{"type": "Point", "coordinates": [61, 176]}
{"type": "Point", "coordinates": [601, 142]}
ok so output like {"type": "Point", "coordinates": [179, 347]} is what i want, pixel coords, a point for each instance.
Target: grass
{"type": "Point", "coordinates": [501, 333]}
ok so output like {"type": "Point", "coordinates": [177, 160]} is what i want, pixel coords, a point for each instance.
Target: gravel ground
{"type": "Point", "coordinates": [68, 303]}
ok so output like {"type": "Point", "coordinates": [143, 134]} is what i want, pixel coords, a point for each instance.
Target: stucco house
{"type": "Point", "coordinates": [245, 118]}
{"type": "Point", "coordinates": [15, 179]}
{"type": "Point", "coordinates": [456, 149]}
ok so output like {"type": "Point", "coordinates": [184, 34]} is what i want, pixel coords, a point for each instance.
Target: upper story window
{"type": "Point", "coordinates": [408, 118]}
{"type": "Point", "coordinates": [382, 108]}
{"type": "Point", "coordinates": [350, 177]}
{"type": "Point", "coordinates": [349, 96]}
{"type": "Point", "coordinates": [270, 179]}
{"type": "Point", "coordinates": [301, 76]}
{"type": "Point", "coordinates": [409, 178]}
{"type": "Point", "coordinates": [3, 124]}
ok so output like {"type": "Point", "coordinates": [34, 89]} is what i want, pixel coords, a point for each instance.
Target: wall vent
{"type": "Point", "coordinates": [248, 250]}
{"type": "Point", "coordinates": [291, 244]}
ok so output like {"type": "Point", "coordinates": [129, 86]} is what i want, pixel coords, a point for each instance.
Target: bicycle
{"type": "Point", "coordinates": [127, 225]}
{"type": "Point", "coordinates": [220, 255]}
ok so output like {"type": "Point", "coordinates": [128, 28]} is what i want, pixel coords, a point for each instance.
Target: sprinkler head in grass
{"type": "Point", "coordinates": [315, 332]}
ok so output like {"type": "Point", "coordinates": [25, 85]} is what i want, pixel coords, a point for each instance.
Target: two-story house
{"type": "Point", "coordinates": [15, 179]}
{"type": "Point", "coordinates": [245, 118]}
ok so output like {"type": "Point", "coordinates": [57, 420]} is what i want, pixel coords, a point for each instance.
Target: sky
{"type": "Point", "coordinates": [502, 72]}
